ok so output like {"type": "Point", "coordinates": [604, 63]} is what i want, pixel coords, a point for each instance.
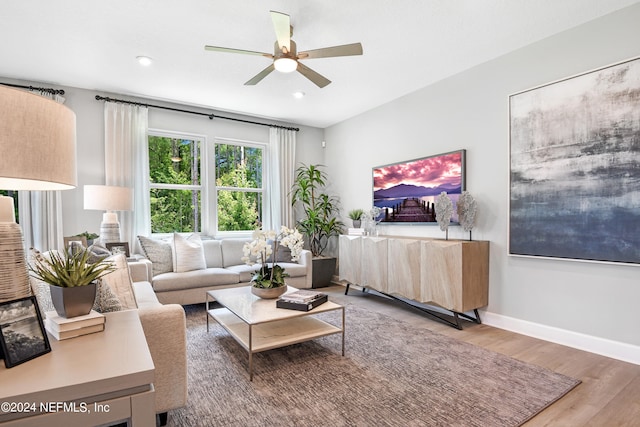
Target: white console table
{"type": "Point", "coordinates": [95, 379]}
{"type": "Point", "coordinates": [452, 274]}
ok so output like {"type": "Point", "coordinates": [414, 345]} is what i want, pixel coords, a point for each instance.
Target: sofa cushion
{"type": "Point", "coordinates": [120, 281]}
{"type": "Point", "coordinates": [245, 271]}
{"type": "Point", "coordinates": [158, 252]}
{"type": "Point", "coordinates": [232, 251]}
{"type": "Point", "coordinates": [293, 269]}
{"type": "Point", "coordinates": [194, 279]}
{"type": "Point", "coordinates": [187, 253]}
{"type": "Point", "coordinates": [212, 253]}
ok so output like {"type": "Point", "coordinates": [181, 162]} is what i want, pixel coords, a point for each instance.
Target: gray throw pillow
{"type": "Point", "coordinates": [159, 253]}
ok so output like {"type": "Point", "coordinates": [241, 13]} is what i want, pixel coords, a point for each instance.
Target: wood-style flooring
{"type": "Point", "coordinates": [608, 396]}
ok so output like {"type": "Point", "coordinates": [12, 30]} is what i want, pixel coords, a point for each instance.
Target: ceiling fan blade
{"type": "Point", "coordinates": [261, 75]}
{"type": "Point", "coordinates": [230, 50]}
{"type": "Point", "coordinates": [316, 78]}
{"type": "Point", "coordinates": [328, 52]}
{"type": "Point", "coordinates": [282, 25]}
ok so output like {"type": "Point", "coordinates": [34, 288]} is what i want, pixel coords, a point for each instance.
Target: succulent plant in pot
{"type": "Point", "coordinates": [356, 217]}
{"type": "Point", "coordinates": [71, 279]}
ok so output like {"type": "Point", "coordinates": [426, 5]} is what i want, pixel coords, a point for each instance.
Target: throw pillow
{"type": "Point", "coordinates": [97, 253]}
{"type": "Point", "coordinates": [188, 254]}
{"type": "Point", "coordinates": [120, 281]}
{"type": "Point", "coordinates": [159, 253]}
{"type": "Point", "coordinates": [106, 300]}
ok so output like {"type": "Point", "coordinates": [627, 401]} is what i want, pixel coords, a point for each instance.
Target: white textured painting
{"type": "Point", "coordinates": [575, 167]}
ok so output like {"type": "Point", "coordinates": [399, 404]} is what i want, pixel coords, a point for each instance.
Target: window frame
{"type": "Point", "coordinates": [202, 139]}
{"type": "Point", "coordinates": [214, 188]}
{"type": "Point", "coordinates": [208, 188]}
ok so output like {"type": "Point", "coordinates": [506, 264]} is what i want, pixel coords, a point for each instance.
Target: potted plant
{"type": "Point", "coordinates": [89, 236]}
{"type": "Point", "coordinates": [356, 217]}
{"type": "Point", "coordinates": [71, 279]}
{"type": "Point", "coordinates": [319, 221]}
{"type": "Point", "coordinates": [268, 281]}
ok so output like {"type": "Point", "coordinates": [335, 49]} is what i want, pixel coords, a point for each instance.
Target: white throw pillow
{"type": "Point", "coordinates": [188, 254]}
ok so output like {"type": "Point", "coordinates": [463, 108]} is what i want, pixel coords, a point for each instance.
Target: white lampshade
{"type": "Point", "coordinates": [37, 142]}
{"type": "Point", "coordinates": [108, 198]}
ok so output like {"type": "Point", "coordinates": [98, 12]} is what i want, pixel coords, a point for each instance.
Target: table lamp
{"type": "Point", "coordinates": [38, 146]}
{"type": "Point", "coordinates": [108, 198]}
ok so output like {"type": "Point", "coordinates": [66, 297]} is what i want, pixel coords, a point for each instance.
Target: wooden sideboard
{"type": "Point", "coordinates": [452, 274]}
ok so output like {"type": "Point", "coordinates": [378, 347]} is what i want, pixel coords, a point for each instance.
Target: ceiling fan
{"type": "Point", "coordinates": [286, 57]}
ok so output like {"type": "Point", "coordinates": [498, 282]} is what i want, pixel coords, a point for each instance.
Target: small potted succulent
{"type": "Point", "coordinates": [356, 217]}
{"type": "Point", "coordinates": [71, 279]}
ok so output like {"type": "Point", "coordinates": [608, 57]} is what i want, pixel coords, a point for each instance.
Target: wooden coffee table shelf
{"type": "Point", "coordinates": [258, 325]}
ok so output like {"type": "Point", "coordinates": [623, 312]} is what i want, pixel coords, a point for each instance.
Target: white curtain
{"type": "Point", "coordinates": [40, 212]}
{"type": "Point", "coordinates": [281, 156]}
{"type": "Point", "coordinates": [127, 164]}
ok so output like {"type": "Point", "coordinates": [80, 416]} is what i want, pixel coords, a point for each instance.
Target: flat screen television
{"type": "Point", "coordinates": [406, 191]}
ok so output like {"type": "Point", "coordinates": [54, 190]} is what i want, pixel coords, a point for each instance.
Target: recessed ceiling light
{"type": "Point", "coordinates": [298, 95]}
{"type": "Point", "coordinates": [144, 60]}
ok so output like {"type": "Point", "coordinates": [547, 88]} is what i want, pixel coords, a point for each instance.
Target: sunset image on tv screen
{"type": "Point", "coordinates": [406, 191]}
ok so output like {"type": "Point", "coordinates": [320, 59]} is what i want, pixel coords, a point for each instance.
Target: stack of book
{"type": "Point", "coordinates": [301, 300]}
{"type": "Point", "coordinates": [356, 231]}
{"type": "Point", "coordinates": [62, 328]}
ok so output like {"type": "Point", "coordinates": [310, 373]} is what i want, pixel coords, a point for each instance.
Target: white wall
{"type": "Point", "coordinates": [470, 110]}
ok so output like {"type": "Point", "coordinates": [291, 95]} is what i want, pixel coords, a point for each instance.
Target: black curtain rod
{"type": "Point", "coordinates": [210, 115]}
{"type": "Point", "coordinates": [41, 89]}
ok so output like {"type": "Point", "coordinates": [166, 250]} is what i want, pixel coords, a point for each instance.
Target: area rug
{"type": "Point", "coordinates": [393, 374]}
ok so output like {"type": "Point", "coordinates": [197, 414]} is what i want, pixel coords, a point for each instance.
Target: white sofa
{"type": "Point", "coordinates": [224, 269]}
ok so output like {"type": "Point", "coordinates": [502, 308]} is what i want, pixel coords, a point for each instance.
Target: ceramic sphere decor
{"type": "Point", "coordinates": [268, 293]}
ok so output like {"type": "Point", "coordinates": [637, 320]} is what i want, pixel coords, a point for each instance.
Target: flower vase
{"type": "Point", "coordinates": [268, 293]}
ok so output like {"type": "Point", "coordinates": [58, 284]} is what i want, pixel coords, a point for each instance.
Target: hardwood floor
{"type": "Point", "coordinates": [609, 394]}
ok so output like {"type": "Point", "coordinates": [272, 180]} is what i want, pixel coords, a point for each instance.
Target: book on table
{"type": "Point", "coordinates": [61, 324]}
{"type": "Point", "coordinates": [72, 333]}
{"type": "Point", "coordinates": [284, 302]}
{"type": "Point", "coordinates": [301, 296]}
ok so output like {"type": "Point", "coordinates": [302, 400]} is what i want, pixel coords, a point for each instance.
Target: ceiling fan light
{"type": "Point", "coordinates": [285, 65]}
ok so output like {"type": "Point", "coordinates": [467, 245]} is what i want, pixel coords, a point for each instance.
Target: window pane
{"type": "Point", "coordinates": [174, 160]}
{"type": "Point", "coordinates": [14, 195]}
{"type": "Point", "coordinates": [175, 210]}
{"type": "Point", "coordinates": [238, 166]}
{"type": "Point", "coordinates": [239, 210]}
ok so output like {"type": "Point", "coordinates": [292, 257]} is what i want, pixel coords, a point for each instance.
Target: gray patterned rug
{"type": "Point", "coordinates": [393, 374]}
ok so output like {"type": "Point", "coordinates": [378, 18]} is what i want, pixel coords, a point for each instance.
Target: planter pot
{"type": "Point", "coordinates": [72, 302]}
{"type": "Point", "coordinates": [323, 270]}
{"type": "Point", "coordinates": [268, 293]}
{"type": "Point", "coordinates": [356, 223]}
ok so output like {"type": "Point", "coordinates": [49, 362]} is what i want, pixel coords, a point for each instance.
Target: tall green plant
{"type": "Point", "coordinates": [320, 211]}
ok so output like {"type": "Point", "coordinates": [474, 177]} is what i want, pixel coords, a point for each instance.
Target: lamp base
{"type": "Point", "coordinates": [14, 278]}
{"type": "Point", "coordinates": [109, 232]}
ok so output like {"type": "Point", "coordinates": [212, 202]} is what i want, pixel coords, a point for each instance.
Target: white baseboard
{"type": "Point", "coordinates": [614, 349]}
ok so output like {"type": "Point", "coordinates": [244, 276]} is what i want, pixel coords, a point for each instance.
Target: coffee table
{"type": "Point", "coordinates": [258, 325]}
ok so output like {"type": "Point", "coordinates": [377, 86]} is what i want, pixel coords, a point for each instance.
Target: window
{"type": "Point", "coordinates": [185, 198]}
{"type": "Point", "coordinates": [175, 183]}
{"type": "Point", "coordinates": [14, 194]}
{"type": "Point", "coordinates": [238, 169]}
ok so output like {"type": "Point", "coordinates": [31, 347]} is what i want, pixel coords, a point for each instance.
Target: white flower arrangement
{"type": "Point", "coordinates": [263, 245]}
{"type": "Point", "coordinates": [444, 210]}
{"type": "Point", "coordinates": [467, 208]}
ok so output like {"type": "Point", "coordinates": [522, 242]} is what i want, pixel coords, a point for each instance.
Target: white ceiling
{"type": "Point", "coordinates": [408, 44]}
